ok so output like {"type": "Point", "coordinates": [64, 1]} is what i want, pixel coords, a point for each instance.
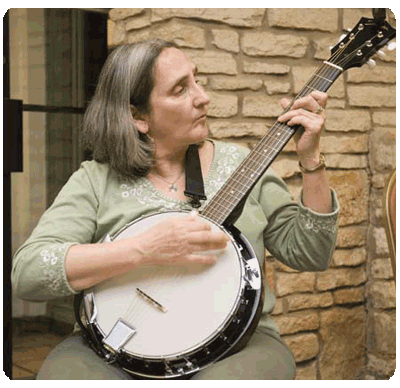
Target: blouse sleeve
{"type": "Point", "coordinates": [297, 236]}
{"type": "Point", "coordinates": [38, 271]}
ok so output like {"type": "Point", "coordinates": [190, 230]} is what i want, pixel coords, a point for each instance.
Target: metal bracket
{"type": "Point", "coordinates": [119, 335]}
{"type": "Point", "coordinates": [252, 273]}
{"type": "Point", "coordinates": [184, 366]}
{"type": "Point", "coordinates": [90, 306]}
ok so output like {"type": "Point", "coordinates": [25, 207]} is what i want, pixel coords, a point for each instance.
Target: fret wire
{"type": "Point", "coordinates": [326, 79]}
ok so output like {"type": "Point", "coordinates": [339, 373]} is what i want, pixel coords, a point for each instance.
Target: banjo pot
{"type": "Point", "coordinates": [170, 322]}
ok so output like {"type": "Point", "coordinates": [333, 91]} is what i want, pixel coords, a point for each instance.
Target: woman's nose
{"type": "Point", "coordinates": [201, 97]}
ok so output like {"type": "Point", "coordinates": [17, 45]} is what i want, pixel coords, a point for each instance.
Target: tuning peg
{"type": "Point", "coordinates": [391, 46]}
{"type": "Point", "coordinates": [381, 54]}
{"type": "Point", "coordinates": [342, 37]}
{"type": "Point", "coordinates": [371, 63]}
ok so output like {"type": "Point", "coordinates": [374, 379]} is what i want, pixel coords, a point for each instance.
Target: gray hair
{"type": "Point", "coordinates": [109, 131]}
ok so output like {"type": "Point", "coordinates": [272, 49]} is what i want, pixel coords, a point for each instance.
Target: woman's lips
{"type": "Point", "coordinates": [201, 117]}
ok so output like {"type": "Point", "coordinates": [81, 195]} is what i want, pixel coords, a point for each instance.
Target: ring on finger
{"type": "Point", "coordinates": [319, 110]}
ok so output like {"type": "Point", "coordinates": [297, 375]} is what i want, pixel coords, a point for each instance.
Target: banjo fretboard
{"type": "Point", "coordinates": [240, 183]}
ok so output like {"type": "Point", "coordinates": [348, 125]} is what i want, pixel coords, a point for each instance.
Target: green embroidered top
{"type": "Point", "coordinates": [94, 203]}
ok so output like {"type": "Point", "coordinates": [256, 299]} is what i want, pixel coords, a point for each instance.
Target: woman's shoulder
{"type": "Point", "coordinates": [92, 167]}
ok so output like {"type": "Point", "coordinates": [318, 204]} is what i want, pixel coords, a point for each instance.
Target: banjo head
{"type": "Point", "coordinates": [169, 311]}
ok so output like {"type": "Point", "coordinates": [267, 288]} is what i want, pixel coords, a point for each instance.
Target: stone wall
{"type": "Point", "coordinates": [340, 324]}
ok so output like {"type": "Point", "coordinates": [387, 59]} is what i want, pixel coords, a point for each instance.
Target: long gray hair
{"type": "Point", "coordinates": [109, 131]}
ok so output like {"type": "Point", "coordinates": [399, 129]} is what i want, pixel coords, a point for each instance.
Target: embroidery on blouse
{"type": "Point", "coordinates": [226, 165]}
{"type": "Point", "coordinates": [143, 193]}
{"type": "Point", "coordinates": [146, 195]}
{"type": "Point", "coordinates": [317, 225]}
{"type": "Point", "coordinates": [52, 259]}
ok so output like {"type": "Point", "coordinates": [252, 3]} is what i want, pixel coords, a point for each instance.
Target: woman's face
{"type": "Point", "coordinates": [178, 104]}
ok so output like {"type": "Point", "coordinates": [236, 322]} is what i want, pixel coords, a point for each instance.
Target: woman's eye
{"type": "Point", "coordinates": [180, 89]}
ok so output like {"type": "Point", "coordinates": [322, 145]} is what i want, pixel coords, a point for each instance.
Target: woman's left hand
{"type": "Point", "coordinates": [310, 114]}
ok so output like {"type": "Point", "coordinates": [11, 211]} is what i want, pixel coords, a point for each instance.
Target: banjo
{"type": "Point", "coordinates": [170, 322]}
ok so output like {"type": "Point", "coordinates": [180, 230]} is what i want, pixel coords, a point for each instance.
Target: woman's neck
{"type": "Point", "coordinates": [169, 163]}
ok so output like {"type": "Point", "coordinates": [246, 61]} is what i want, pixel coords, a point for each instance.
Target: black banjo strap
{"type": "Point", "coordinates": [194, 187]}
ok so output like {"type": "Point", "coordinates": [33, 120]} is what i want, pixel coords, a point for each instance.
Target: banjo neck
{"type": "Point", "coordinates": [354, 50]}
{"type": "Point", "coordinates": [225, 207]}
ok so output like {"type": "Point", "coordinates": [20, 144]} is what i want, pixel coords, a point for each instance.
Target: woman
{"type": "Point", "coordinates": [147, 110]}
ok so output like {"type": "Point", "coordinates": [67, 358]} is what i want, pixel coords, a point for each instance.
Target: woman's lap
{"type": "Point", "coordinates": [72, 359]}
{"type": "Point", "coordinates": [264, 358]}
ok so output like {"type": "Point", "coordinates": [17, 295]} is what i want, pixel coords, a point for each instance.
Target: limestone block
{"type": "Point", "coordinates": [272, 44]}
{"type": "Point", "coordinates": [226, 40]}
{"type": "Point", "coordinates": [349, 257]}
{"type": "Point", "coordinates": [381, 269]}
{"type": "Point", "coordinates": [222, 105]}
{"type": "Point", "coordinates": [261, 106]}
{"type": "Point", "coordinates": [116, 33]}
{"type": "Point", "coordinates": [383, 336]}
{"type": "Point", "coordinates": [382, 294]}
{"type": "Point", "coordinates": [308, 300]}
{"type": "Point", "coordinates": [303, 346]}
{"type": "Point", "coordinates": [382, 144]}
{"type": "Point", "coordinates": [295, 322]}
{"type": "Point", "coordinates": [124, 13]}
{"type": "Point", "coordinates": [238, 82]}
{"type": "Point", "coordinates": [264, 68]}
{"type": "Point", "coordinates": [381, 365]}
{"type": "Point", "coordinates": [343, 120]}
{"type": "Point", "coordinates": [209, 62]}
{"type": "Point", "coordinates": [383, 74]}
{"type": "Point", "coordinates": [353, 143]}
{"type": "Point", "coordinates": [138, 22]}
{"type": "Point", "coordinates": [225, 129]}
{"type": "Point", "coordinates": [379, 242]}
{"type": "Point", "coordinates": [307, 372]}
{"type": "Point", "coordinates": [372, 96]}
{"type": "Point", "coordinates": [339, 277]}
{"type": "Point", "coordinates": [384, 118]}
{"type": "Point", "coordinates": [289, 283]}
{"type": "Point", "coordinates": [343, 334]}
{"type": "Point", "coordinates": [352, 189]}
{"type": "Point", "coordinates": [240, 17]}
{"type": "Point", "coordinates": [323, 19]}
{"type": "Point", "coordinates": [351, 236]}
{"type": "Point", "coordinates": [347, 161]}
{"type": "Point", "coordinates": [349, 295]}
{"type": "Point", "coordinates": [277, 87]}
{"type": "Point", "coordinates": [180, 32]}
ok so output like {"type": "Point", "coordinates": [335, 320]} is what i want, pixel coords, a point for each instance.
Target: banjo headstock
{"type": "Point", "coordinates": [361, 43]}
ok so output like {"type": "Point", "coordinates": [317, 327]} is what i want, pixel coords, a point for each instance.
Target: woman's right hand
{"type": "Point", "coordinates": [179, 241]}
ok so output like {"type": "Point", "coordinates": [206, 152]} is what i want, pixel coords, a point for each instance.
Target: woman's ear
{"type": "Point", "coordinates": [141, 125]}
{"type": "Point", "coordinates": [140, 120]}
